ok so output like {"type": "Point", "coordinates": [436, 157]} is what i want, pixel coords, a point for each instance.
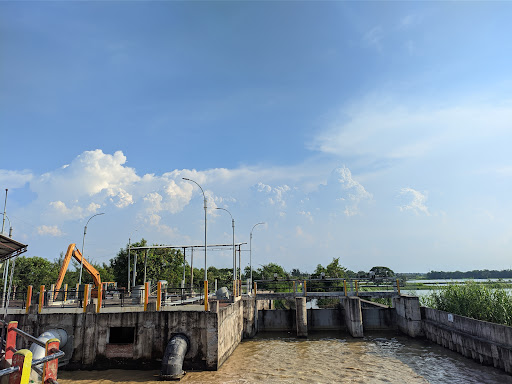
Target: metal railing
{"type": "Point", "coordinates": [8, 343]}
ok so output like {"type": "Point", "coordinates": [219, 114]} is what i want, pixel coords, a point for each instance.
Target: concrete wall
{"type": "Point", "coordinates": [90, 334]}
{"type": "Point", "coordinates": [488, 343]}
{"type": "Point", "coordinates": [408, 315]}
{"type": "Point", "coordinates": [230, 334]}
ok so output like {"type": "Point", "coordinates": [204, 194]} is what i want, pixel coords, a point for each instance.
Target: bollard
{"type": "Point", "coordinates": [50, 368]}
{"type": "Point", "coordinates": [305, 290]}
{"type": "Point", "coordinates": [398, 287]}
{"type": "Point", "coordinates": [41, 298]}
{"type": "Point", "coordinates": [86, 296]}
{"type": "Point", "coordinates": [100, 297]}
{"type": "Point", "coordinates": [357, 289]}
{"type": "Point", "coordinates": [158, 295]}
{"type": "Point", "coordinates": [345, 287]}
{"type": "Point", "coordinates": [146, 296]}
{"type": "Point", "coordinates": [22, 359]}
{"type": "Point", "coordinates": [29, 298]}
{"type": "Point", "coordinates": [65, 292]}
{"type": "Point", "coordinates": [255, 288]}
{"type": "Point", "coordinates": [294, 288]}
{"type": "Point", "coordinates": [10, 344]}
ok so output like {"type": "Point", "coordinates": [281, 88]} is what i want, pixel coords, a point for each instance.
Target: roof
{"type": "Point", "coordinates": [10, 248]}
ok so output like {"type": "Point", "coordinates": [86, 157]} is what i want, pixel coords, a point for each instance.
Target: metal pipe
{"type": "Point", "coordinates": [250, 250]}
{"type": "Point", "coordinates": [5, 205]}
{"type": "Point", "coordinates": [135, 268]}
{"type": "Point", "coordinates": [205, 246]}
{"type": "Point", "coordinates": [145, 265]}
{"type": "Point", "coordinates": [129, 248]}
{"type": "Point", "coordinates": [83, 244]}
{"type": "Point", "coordinates": [234, 250]}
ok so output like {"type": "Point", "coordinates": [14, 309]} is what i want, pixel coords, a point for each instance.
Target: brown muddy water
{"type": "Point", "coordinates": [323, 358]}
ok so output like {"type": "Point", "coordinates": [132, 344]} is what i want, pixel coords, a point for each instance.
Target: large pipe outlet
{"type": "Point", "coordinates": [172, 362]}
{"type": "Point", "coordinates": [38, 352]}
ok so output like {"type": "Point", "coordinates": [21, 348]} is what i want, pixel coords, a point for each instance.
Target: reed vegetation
{"type": "Point", "coordinates": [488, 302]}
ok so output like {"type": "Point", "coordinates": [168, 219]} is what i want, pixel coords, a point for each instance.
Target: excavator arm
{"type": "Point", "coordinates": [74, 252]}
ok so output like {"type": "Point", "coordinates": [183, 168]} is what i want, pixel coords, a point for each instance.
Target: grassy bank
{"type": "Point", "coordinates": [488, 302]}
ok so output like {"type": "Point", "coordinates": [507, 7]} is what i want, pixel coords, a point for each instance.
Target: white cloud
{"type": "Point", "coordinates": [51, 230]}
{"type": "Point", "coordinates": [14, 179]}
{"type": "Point", "coordinates": [352, 193]}
{"type": "Point", "coordinates": [380, 128]}
{"type": "Point", "coordinates": [416, 201]}
{"type": "Point", "coordinates": [276, 195]}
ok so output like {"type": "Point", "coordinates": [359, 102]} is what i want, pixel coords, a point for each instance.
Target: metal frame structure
{"type": "Point", "coordinates": [10, 248]}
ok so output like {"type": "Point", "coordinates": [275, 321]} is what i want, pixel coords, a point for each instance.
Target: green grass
{"type": "Point", "coordinates": [488, 302]}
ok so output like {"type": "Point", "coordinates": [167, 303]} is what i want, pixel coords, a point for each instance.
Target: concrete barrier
{"type": "Point", "coordinates": [487, 343]}
{"type": "Point", "coordinates": [408, 315]}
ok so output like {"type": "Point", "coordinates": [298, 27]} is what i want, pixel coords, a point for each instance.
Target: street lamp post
{"type": "Point", "coordinates": [250, 250]}
{"type": "Point", "coordinates": [234, 251]}
{"type": "Point", "coordinates": [129, 249]}
{"type": "Point", "coordinates": [205, 270]}
{"type": "Point", "coordinates": [83, 244]}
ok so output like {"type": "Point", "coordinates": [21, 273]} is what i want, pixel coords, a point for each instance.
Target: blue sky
{"type": "Point", "coordinates": [377, 132]}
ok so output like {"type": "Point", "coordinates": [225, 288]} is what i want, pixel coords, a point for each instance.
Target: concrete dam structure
{"type": "Point", "coordinates": [139, 339]}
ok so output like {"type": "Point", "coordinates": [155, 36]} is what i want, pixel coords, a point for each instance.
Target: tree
{"type": "Point", "coordinates": [162, 264]}
{"type": "Point", "coordinates": [382, 271]}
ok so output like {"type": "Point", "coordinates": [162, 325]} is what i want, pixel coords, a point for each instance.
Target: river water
{"type": "Point", "coordinates": [323, 358]}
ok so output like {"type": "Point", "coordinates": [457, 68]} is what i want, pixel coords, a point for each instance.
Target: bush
{"type": "Point", "coordinates": [473, 300]}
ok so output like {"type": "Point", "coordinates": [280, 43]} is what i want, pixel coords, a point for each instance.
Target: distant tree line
{"type": "Point", "coordinates": [475, 274]}
{"type": "Point", "coordinates": [163, 264]}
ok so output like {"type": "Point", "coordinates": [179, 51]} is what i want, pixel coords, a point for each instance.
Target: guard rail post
{"type": "Point", "coordinates": [50, 367]}
{"type": "Point", "coordinates": [86, 297]}
{"type": "Point", "coordinates": [10, 343]}
{"type": "Point", "coordinates": [398, 287]}
{"type": "Point", "coordinates": [345, 286]}
{"type": "Point", "coordinates": [146, 296]}
{"type": "Point", "coordinates": [23, 360]}
{"type": "Point", "coordinates": [29, 298]}
{"type": "Point", "coordinates": [100, 297]}
{"type": "Point", "coordinates": [41, 299]}
{"type": "Point", "coordinates": [158, 295]}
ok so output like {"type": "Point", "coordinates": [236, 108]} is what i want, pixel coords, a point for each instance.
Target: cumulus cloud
{"type": "Point", "coordinates": [349, 191]}
{"type": "Point", "coordinates": [14, 179]}
{"type": "Point", "coordinates": [51, 230]}
{"type": "Point", "coordinates": [275, 195]}
{"type": "Point", "coordinates": [416, 201]}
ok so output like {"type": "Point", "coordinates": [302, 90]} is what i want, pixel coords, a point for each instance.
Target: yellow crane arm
{"type": "Point", "coordinates": [74, 252]}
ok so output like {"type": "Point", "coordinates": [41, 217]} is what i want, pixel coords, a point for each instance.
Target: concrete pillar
{"type": "Point", "coordinates": [408, 315]}
{"type": "Point", "coordinates": [301, 316]}
{"type": "Point", "coordinates": [214, 306]}
{"type": "Point", "coordinates": [353, 315]}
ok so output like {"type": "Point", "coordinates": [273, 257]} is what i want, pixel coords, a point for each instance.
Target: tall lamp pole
{"type": "Point", "coordinates": [250, 250]}
{"type": "Point", "coordinates": [129, 249]}
{"type": "Point", "coordinates": [205, 270]}
{"type": "Point", "coordinates": [234, 251]}
{"type": "Point", "coordinates": [83, 244]}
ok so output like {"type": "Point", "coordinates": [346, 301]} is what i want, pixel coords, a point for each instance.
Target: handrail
{"type": "Point", "coordinates": [55, 352]}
